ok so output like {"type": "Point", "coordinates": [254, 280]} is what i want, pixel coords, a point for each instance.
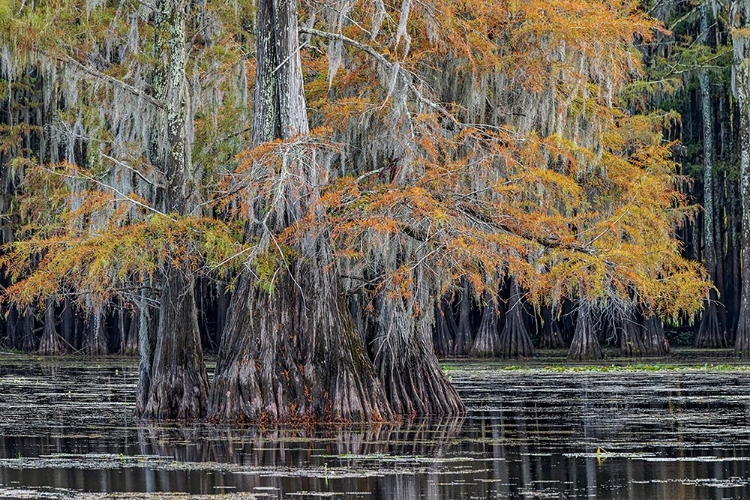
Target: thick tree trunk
{"type": "Point", "coordinates": [405, 362]}
{"type": "Point", "coordinates": [487, 341]}
{"type": "Point", "coordinates": [585, 345]}
{"type": "Point", "coordinates": [630, 333]}
{"type": "Point", "coordinates": [292, 355]}
{"type": "Point", "coordinates": [290, 352]}
{"type": "Point", "coordinates": [515, 341]}
{"type": "Point", "coordinates": [654, 340]}
{"type": "Point", "coordinates": [179, 387]}
{"type": "Point", "coordinates": [173, 382]}
{"type": "Point", "coordinates": [50, 344]}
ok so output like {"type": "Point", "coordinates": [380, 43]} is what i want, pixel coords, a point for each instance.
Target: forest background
{"type": "Point", "coordinates": [329, 194]}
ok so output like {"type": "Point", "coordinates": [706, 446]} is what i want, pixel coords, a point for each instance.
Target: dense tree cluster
{"type": "Point", "coordinates": [330, 194]}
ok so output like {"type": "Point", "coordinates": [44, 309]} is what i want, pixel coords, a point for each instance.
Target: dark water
{"type": "Point", "coordinates": [66, 430]}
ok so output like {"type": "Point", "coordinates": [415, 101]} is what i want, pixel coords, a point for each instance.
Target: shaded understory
{"type": "Point", "coordinates": [670, 428]}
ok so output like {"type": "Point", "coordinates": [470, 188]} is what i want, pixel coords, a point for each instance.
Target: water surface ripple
{"type": "Point", "coordinates": [67, 431]}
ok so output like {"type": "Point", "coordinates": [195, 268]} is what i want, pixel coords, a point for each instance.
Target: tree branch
{"type": "Point", "coordinates": [405, 75]}
{"type": "Point", "coordinates": [114, 81]}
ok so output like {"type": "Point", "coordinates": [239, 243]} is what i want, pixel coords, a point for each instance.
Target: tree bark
{"type": "Point", "coordinates": [50, 344]}
{"type": "Point", "coordinates": [654, 340]}
{"type": "Point", "coordinates": [487, 341]}
{"type": "Point", "coordinates": [709, 333]}
{"type": "Point", "coordinates": [179, 385]}
{"type": "Point", "coordinates": [290, 352]}
{"type": "Point", "coordinates": [445, 328]}
{"type": "Point", "coordinates": [630, 334]}
{"type": "Point", "coordinates": [515, 341]}
{"type": "Point", "coordinates": [740, 21]}
{"type": "Point", "coordinates": [464, 337]}
{"type": "Point", "coordinates": [405, 362]}
{"type": "Point", "coordinates": [585, 345]}
{"type": "Point", "coordinates": [174, 377]}
{"type": "Point", "coordinates": [551, 335]}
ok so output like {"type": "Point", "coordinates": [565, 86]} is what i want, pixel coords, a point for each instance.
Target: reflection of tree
{"type": "Point", "coordinates": [396, 457]}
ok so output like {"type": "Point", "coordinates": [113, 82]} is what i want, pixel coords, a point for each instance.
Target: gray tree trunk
{"type": "Point", "coordinates": [709, 333]}
{"type": "Point", "coordinates": [740, 22]}
{"type": "Point", "coordinates": [176, 386]}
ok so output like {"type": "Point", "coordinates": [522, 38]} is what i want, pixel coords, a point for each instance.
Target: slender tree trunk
{"type": "Point", "coordinates": [740, 21]}
{"type": "Point", "coordinates": [290, 351]}
{"type": "Point", "coordinates": [95, 332]}
{"type": "Point", "coordinates": [464, 337]}
{"type": "Point", "coordinates": [68, 323]}
{"type": "Point", "coordinates": [709, 333]}
{"type": "Point", "coordinates": [50, 344]}
{"type": "Point", "coordinates": [585, 345]}
{"type": "Point", "coordinates": [27, 324]}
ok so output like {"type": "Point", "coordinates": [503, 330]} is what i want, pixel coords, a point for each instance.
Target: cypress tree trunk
{"type": "Point", "coordinates": [179, 386]}
{"type": "Point", "coordinates": [95, 332]}
{"type": "Point", "coordinates": [630, 334]}
{"type": "Point", "coordinates": [405, 362]}
{"type": "Point", "coordinates": [445, 328]}
{"type": "Point", "coordinates": [464, 338]}
{"type": "Point", "coordinates": [131, 344]}
{"type": "Point", "coordinates": [68, 323]}
{"type": "Point", "coordinates": [709, 333]}
{"type": "Point", "coordinates": [585, 345]}
{"type": "Point", "coordinates": [290, 351]}
{"type": "Point", "coordinates": [740, 21]}
{"type": "Point", "coordinates": [551, 336]}
{"type": "Point", "coordinates": [487, 341]}
{"type": "Point", "coordinates": [515, 341]}
{"type": "Point", "coordinates": [50, 344]}
{"type": "Point", "coordinates": [654, 340]}
{"type": "Point", "coordinates": [173, 379]}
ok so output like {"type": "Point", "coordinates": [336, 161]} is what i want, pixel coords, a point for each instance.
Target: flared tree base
{"type": "Point", "coordinates": [487, 341]}
{"type": "Point", "coordinates": [293, 356]}
{"type": "Point", "coordinates": [406, 363]}
{"type": "Point", "coordinates": [709, 334]}
{"type": "Point", "coordinates": [177, 388]}
{"type": "Point", "coordinates": [585, 344]}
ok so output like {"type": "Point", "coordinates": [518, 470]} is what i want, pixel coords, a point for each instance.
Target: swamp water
{"type": "Point", "coordinates": [66, 431]}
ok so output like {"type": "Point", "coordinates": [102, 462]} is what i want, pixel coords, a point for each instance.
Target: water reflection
{"type": "Point", "coordinates": [529, 434]}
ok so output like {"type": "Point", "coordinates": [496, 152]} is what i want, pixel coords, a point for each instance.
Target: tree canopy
{"type": "Point", "coordinates": [419, 148]}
